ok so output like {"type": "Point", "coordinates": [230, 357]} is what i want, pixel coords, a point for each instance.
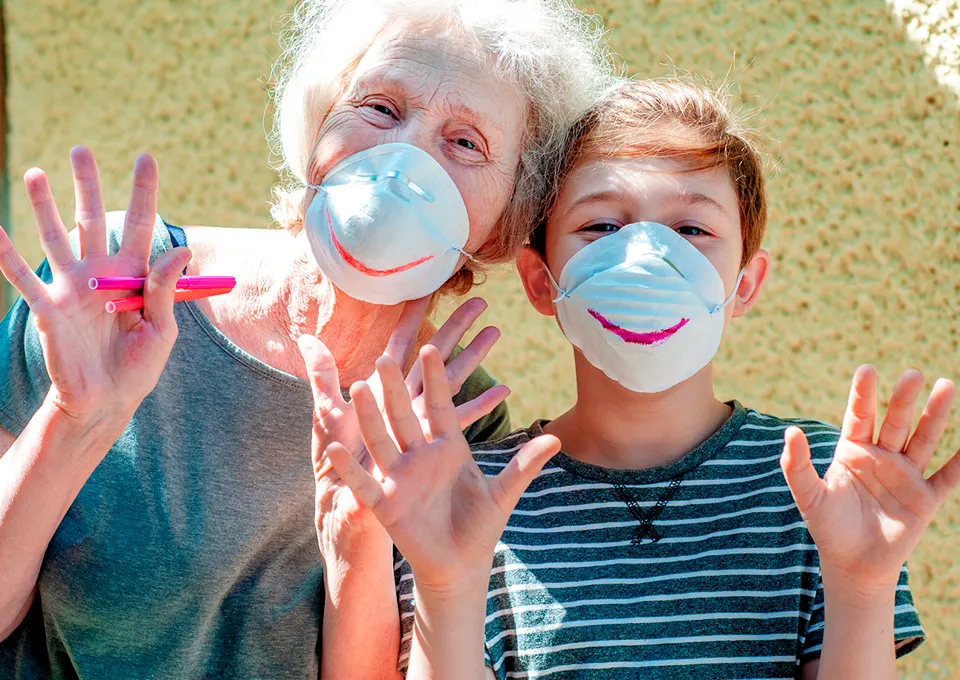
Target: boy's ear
{"type": "Point", "coordinates": [533, 275]}
{"type": "Point", "coordinates": [754, 275]}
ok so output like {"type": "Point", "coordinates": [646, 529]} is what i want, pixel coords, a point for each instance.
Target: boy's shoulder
{"type": "Point", "coordinates": [763, 434]}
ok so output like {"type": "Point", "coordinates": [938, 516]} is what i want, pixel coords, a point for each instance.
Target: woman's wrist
{"type": "Point", "coordinates": [86, 436]}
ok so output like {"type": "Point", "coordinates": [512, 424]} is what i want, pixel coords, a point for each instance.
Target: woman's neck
{"type": "Point", "coordinates": [281, 295]}
{"type": "Point", "coordinates": [616, 428]}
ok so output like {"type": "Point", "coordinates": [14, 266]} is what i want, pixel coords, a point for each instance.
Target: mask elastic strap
{"type": "Point", "coordinates": [733, 293]}
{"type": "Point", "coordinates": [563, 294]}
{"type": "Point", "coordinates": [318, 188]}
{"type": "Point", "coordinates": [454, 249]}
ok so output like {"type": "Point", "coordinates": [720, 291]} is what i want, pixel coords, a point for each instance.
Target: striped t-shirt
{"type": "Point", "coordinates": [724, 582]}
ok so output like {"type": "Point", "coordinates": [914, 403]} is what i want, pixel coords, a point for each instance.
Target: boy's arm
{"type": "Point", "coordinates": [448, 631]}
{"type": "Point", "coordinates": [867, 515]}
{"type": "Point", "coordinates": [858, 640]}
{"type": "Point", "coordinates": [443, 514]}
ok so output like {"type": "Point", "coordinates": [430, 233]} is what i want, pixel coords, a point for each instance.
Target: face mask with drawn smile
{"type": "Point", "coordinates": [388, 224]}
{"type": "Point", "coordinates": [643, 305]}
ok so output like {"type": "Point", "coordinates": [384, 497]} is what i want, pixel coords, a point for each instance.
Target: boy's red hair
{"type": "Point", "coordinates": [677, 119]}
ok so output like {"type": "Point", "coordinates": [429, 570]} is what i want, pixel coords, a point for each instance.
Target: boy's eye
{"type": "Point", "coordinates": [691, 230]}
{"type": "Point", "coordinates": [602, 227]}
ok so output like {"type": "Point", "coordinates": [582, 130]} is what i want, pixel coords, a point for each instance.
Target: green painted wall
{"type": "Point", "coordinates": [865, 203]}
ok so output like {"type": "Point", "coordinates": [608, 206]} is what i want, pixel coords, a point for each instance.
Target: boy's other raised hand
{"type": "Point", "coordinates": [873, 504]}
{"type": "Point", "coordinates": [442, 513]}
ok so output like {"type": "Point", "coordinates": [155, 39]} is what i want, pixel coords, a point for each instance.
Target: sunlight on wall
{"type": "Point", "coordinates": [935, 26]}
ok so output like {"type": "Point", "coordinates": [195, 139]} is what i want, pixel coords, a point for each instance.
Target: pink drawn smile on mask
{"type": "Point", "coordinates": [634, 338]}
{"type": "Point", "coordinates": [360, 266]}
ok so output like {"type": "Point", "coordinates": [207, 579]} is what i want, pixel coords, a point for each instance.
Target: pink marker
{"type": "Point", "coordinates": [183, 283]}
{"type": "Point", "coordinates": [129, 304]}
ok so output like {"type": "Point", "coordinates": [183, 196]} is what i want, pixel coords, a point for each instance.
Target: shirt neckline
{"type": "Point", "coordinates": [706, 450]}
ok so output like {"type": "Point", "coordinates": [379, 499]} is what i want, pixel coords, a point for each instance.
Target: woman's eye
{"type": "Point", "coordinates": [602, 228]}
{"type": "Point", "coordinates": [467, 144]}
{"type": "Point", "coordinates": [381, 108]}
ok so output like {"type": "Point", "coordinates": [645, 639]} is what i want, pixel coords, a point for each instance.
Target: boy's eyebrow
{"type": "Point", "coordinates": [598, 197]}
{"type": "Point", "coordinates": [694, 198]}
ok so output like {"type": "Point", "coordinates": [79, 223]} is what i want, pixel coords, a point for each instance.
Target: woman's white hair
{"type": "Point", "coordinates": [554, 55]}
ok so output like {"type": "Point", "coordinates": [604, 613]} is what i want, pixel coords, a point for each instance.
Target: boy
{"type": "Point", "coordinates": [661, 542]}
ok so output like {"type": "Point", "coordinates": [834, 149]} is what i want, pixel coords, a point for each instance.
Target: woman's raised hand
{"type": "Point", "coordinates": [873, 504]}
{"type": "Point", "coordinates": [440, 510]}
{"type": "Point", "coordinates": [338, 513]}
{"type": "Point", "coordinates": [101, 365]}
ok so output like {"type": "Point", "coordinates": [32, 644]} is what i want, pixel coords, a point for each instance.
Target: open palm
{"type": "Point", "coordinates": [335, 418]}
{"type": "Point", "coordinates": [441, 512]}
{"type": "Point", "coordinates": [97, 362]}
{"type": "Point", "coordinates": [873, 504]}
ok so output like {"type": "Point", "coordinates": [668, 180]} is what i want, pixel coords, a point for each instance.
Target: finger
{"type": "Point", "coordinates": [90, 215]}
{"type": "Point", "coordinates": [159, 288]}
{"type": "Point", "coordinates": [477, 408]}
{"type": "Point", "coordinates": [522, 469]}
{"type": "Point", "coordinates": [802, 478]}
{"type": "Point", "coordinates": [53, 235]}
{"type": "Point", "coordinates": [404, 337]}
{"type": "Point", "coordinates": [860, 419]}
{"type": "Point", "coordinates": [946, 480]}
{"type": "Point", "coordinates": [441, 413]}
{"type": "Point", "coordinates": [16, 270]}
{"type": "Point", "coordinates": [373, 430]}
{"type": "Point", "coordinates": [362, 483]}
{"type": "Point", "coordinates": [447, 337]}
{"type": "Point", "coordinates": [465, 363]}
{"type": "Point", "coordinates": [141, 214]}
{"type": "Point", "coordinates": [322, 374]}
{"type": "Point", "coordinates": [932, 424]}
{"type": "Point", "coordinates": [896, 425]}
{"type": "Point", "coordinates": [404, 423]}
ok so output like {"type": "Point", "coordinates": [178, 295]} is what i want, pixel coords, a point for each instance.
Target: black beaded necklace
{"type": "Point", "coordinates": [646, 533]}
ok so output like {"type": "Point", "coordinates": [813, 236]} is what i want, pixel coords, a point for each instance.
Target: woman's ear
{"type": "Point", "coordinates": [754, 275]}
{"type": "Point", "coordinates": [536, 283]}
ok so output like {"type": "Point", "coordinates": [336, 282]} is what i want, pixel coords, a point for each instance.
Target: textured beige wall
{"type": "Point", "coordinates": [865, 206]}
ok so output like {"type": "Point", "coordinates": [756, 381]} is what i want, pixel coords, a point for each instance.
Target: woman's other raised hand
{"type": "Point", "coordinates": [101, 365]}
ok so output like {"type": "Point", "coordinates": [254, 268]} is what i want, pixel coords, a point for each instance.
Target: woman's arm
{"type": "Point", "coordinates": [361, 624]}
{"type": "Point", "coordinates": [40, 476]}
{"type": "Point", "coordinates": [101, 365]}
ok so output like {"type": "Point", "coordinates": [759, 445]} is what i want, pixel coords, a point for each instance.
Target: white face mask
{"type": "Point", "coordinates": [387, 224]}
{"type": "Point", "coordinates": [643, 305]}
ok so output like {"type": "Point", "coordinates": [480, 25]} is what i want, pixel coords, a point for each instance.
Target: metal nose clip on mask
{"type": "Point", "coordinates": [387, 224]}
{"type": "Point", "coordinates": [643, 305]}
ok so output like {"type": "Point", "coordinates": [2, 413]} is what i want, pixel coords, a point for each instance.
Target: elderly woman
{"type": "Point", "coordinates": [155, 496]}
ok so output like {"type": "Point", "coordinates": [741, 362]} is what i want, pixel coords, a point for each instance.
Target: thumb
{"type": "Point", "coordinates": [160, 286]}
{"type": "Point", "coordinates": [524, 468]}
{"type": "Point", "coordinates": [322, 372]}
{"type": "Point", "coordinates": [802, 478]}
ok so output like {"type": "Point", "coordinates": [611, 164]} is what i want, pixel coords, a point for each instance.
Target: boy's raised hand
{"type": "Point", "coordinates": [873, 504]}
{"type": "Point", "coordinates": [442, 513]}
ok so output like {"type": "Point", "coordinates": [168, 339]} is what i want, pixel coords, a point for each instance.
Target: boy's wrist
{"type": "Point", "coordinates": [841, 586]}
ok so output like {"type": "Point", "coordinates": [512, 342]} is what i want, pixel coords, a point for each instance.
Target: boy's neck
{"type": "Point", "coordinates": [613, 427]}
